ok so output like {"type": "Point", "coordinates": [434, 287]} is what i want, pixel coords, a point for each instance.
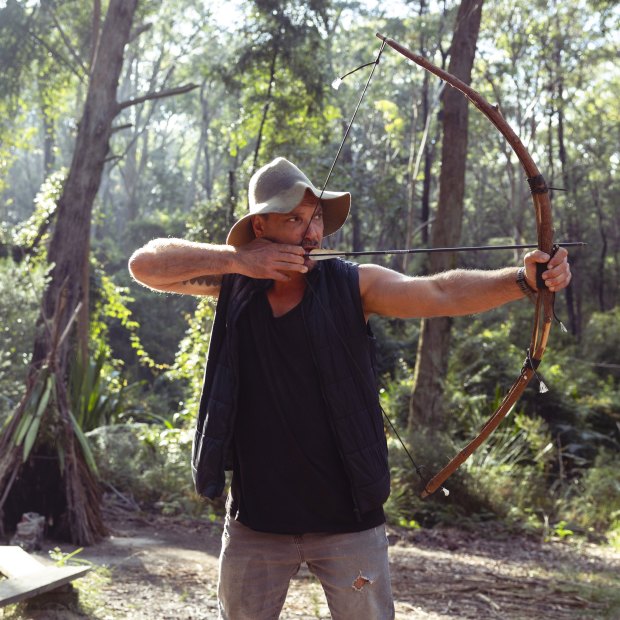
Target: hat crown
{"type": "Point", "coordinates": [273, 179]}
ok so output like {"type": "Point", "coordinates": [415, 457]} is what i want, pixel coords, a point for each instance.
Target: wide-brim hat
{"type": "Point", "coordinates": [278, 187]}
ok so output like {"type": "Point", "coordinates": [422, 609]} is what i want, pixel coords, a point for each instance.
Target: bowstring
{"type": "Point", "coordinates": [346, 134]}
{"type": "Point", "coordinates": [418, 468]}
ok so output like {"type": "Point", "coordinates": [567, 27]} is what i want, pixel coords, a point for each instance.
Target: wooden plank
{"type": "Point", "coordinates": [44, 580]}
{"type": "Point", "coordinates": [15, 562]}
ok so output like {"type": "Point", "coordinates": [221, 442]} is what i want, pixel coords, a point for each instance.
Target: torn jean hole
{"type": "Point", "coordinates": [360, 581]}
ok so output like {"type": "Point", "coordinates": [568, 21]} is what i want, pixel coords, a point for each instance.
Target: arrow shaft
{"type": "Point", "coordinates": [475, 248]}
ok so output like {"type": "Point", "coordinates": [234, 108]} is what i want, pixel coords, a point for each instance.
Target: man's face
{"type": "Point", "coordinates": [302, 226]}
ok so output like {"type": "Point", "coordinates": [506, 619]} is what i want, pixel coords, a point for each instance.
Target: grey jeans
{"type": "Point", "coordinates": [256, 568]}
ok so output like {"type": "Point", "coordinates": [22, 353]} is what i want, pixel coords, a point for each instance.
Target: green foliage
{"type": "Point", "coordinates": [509, 472]}
{"type": "Point", "coordinates": [601, 343]}
{"type": "Point", "coordinates": [613, 534]}
{"type": "Point", "coordinates": [21, 287]}
{"type": "Point", "coordinates": [14, 50]}
{"type": "Point", "coordinates": [134, 384]}
{"type": "Point", "coordinates": [36, 422]}
{"type": "Point", "coordinates": [96, 399]}
{"type": "Point", "coordinates": [533, 468]}
{"type": "Point", "coordinates": [85, 447]}
{"type": "Point", "coordinates": [32, 233]}
{"type": "Point", "coordinates": [396, 343]}
{"type": "Point", "coordinates": [430, 452]}
{"type": "Point", "coordinates": [592, 502]}
{"type": "Point", "coordinates": [394, 122]}
{"type": "Point", "coordinates": [485, 356]}
{"type": "Point", "coordinates": [35, 407]}
{"type": "Point", "coordinates": [67, 559]}
{"type": "Point", "coordinates": [112, 306]}
{"type": "Point", "coordinates": [192, 354]}
{"type": "Point", "coordinates": [560, 531]}
{"type": "Point", "coordinates": [150, 464]}
{"type": "Point", "coordinates": [116, 328]}
{"type": "Point", "coordinates": [37, 83]}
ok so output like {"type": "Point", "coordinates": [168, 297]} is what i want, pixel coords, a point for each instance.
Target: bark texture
{"type": "Point", "coordinates": [427, 404]}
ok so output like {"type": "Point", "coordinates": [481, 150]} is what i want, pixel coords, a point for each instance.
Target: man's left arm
{"type": "Point", "coordinates": [456, 292]}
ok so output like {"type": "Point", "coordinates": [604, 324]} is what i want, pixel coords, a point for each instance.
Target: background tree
{"type": "Point", "coordinates": [66, 295]}
{"type": "Point", "coordinates": [427, 402]}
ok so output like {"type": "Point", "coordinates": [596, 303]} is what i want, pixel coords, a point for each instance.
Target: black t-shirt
{"type": "Point", "coordinates": [288, 476]}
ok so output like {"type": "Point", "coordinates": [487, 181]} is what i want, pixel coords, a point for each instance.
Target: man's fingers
{"type": "Point", "coordinates": [279, 260]}
{"type": "Point", "coordinates": [537, 256]}
{"type": "Point", "coordinates": [553, 270]}
{"type": "Point", "coordinates": [264, 259]}
{"type": "Point", "coordinates": [290, 266]}
{"type": "Point", "coordinates": [561, 256]}
{"type": "Point", "coordinates": [559, 276]}
{"type": "Point", "coordinates": [557, 284]}
{"type": "Point", "coordinates": [286, 255]}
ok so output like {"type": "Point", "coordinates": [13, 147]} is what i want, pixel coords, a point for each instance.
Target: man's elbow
{"type": "Point", "coordinates": [140, 267]}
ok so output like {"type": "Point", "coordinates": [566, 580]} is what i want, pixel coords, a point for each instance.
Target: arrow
{"type": "Point", "coordinates": [320, 254]}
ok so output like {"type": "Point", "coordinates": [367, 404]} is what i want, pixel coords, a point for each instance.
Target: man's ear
{"type": "Point", "coordinates": [258, 225]}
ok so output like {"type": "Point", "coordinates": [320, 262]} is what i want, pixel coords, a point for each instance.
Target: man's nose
{"type": "Point", "coordinates": [315, 230]}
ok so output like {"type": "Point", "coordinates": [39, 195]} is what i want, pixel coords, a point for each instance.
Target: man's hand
{"type": "Point", "coordinates": [267, 260]}
{"type": "Point", "coordinates": [557, 275]}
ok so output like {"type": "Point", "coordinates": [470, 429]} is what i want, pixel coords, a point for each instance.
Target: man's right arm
{"type": "Point", "coordinates": [190, 268]}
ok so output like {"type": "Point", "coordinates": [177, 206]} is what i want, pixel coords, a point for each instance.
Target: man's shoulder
{"type": "Point", "coordinates": [340, 266]}
{"type": "Point", "coordinates": [340, 277]}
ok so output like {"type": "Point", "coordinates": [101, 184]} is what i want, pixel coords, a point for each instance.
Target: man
{"type": "Point", "coordinates": [290, 402]}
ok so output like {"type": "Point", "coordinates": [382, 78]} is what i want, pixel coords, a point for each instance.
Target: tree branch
{"type": "Point", "coordinates": [171, 92]}
{"type": "Point", "coordinates": [58, 56]}
{"type": "Point", "coordinates": [67, 43]}
{"type": "Point", "coordinates": [116, 128]}
{"type": "Point", "coordinates": [138, 30]}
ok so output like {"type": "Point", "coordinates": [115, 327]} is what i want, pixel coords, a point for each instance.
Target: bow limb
{"type": "Point", "coordinates": [543, 314]}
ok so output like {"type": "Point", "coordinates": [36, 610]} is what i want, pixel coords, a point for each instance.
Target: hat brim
{"type": "Point", "coordinates": [336, 207]}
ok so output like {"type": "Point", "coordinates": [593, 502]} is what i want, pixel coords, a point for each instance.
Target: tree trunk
{"type": "Point", "coordinates": [426, 151]}
{"type": "Point", "coordinates": [76, 492]}
{"type": "Point", "coordinates": [602, 257]}
{"type": "Point", "coordinates": [425, 206]}
{"type": "Point", "coordinates": [573, 220]}
{"type": "Point", "coordinates": [427, 405]}
{"type": "Point", "coordinates": [70, 243]}
{"type": "Point", "coordinates": [268, 101]}
{"type": "Point", "coordinates": [49, 137]}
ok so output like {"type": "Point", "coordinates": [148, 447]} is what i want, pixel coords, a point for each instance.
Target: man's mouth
{"type": "Point", "coordinates": [308, 248]}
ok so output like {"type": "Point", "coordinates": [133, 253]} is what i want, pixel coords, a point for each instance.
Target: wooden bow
{"type": "Point", "coordinates": [543, 314]}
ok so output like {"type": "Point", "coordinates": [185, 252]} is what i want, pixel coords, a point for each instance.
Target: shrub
{"type": "Point", "coordinates": [149, 463]}
{"type": "Point", "coordinates": [592, 502]}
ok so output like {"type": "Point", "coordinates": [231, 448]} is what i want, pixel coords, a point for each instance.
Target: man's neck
{"type": "Point", "coordinates": [284, 296]}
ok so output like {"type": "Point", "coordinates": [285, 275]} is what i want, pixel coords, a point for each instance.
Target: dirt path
{"type": "Point", "coordinates": [160, 569]}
